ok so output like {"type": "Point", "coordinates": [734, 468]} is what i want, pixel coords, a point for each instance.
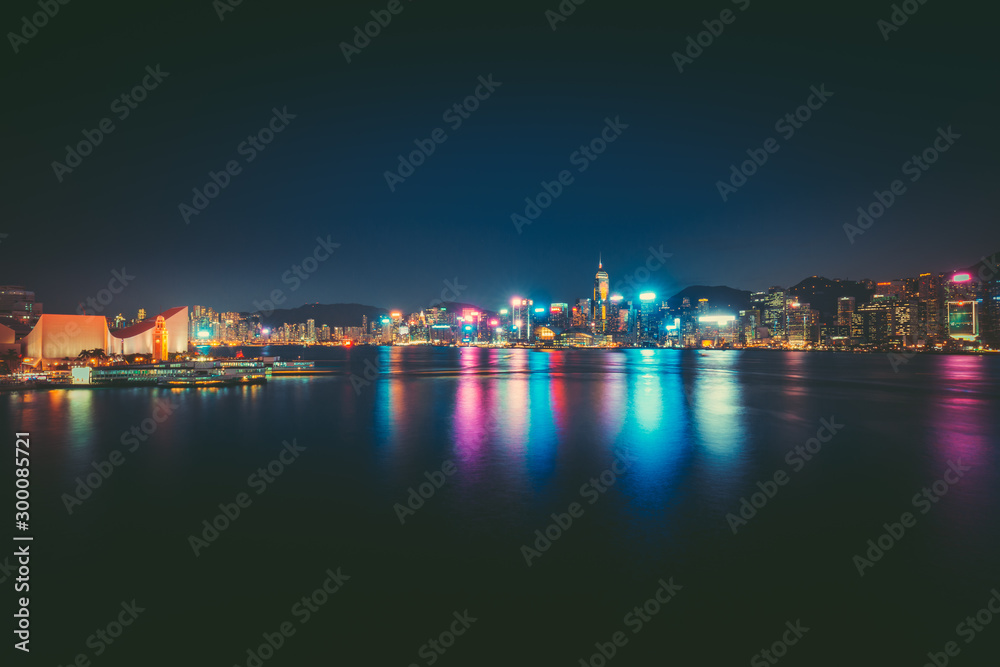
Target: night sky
{"type": "Point", "coordinates": [323, 175]}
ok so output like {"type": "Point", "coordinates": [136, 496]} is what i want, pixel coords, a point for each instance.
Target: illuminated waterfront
{"type": "Point", "coordinates": [526, 431]}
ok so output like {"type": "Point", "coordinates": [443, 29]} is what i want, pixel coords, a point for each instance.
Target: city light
{"type": "Point", "coordinates": [647, 296]}
{"type": "Point", "coordinates": [617, 297]}
{"type": "Point", "coordinates": [961, 278]}
{"type": "Point", "coordinates": [539, 310]}
{"type": "Point", "coordinates": [718, 319]}
{"type": "Point", "coordinates": [493, 323]}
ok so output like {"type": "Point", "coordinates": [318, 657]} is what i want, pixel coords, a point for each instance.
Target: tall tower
{"type": "Point", "coordinates": [160, 346]}
{"type": "Point", "coordinates": [599, 306]}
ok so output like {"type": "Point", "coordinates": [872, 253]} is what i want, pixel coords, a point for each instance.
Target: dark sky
{"type": "Point", "coordinates": [323, 175]}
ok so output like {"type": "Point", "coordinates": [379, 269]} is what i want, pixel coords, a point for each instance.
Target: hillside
{"type": "Point", "coordinates": [333, 314]}
{"type": "Point", "coordinates": [720, 298]}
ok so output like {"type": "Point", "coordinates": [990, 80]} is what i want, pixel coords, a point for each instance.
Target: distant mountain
{"type": "Point", "coordinates": [342, 314]}
{"type": "Point", "coordinates": [333, 314]}
{"type": "Point", "coordinates": [822, 293]}
{"type": "Point", "coordinates": [719, 297]}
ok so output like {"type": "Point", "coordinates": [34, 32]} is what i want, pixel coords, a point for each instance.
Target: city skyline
{"type": "Point", "coordinates": [457, 290]}
{"type": "Point", "coordinates": [682, 130]}
{"type": "Point", "coordinates": [959, 309]}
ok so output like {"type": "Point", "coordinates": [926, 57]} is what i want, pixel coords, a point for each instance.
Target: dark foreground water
{"type": "Point", "coordinates": [683, 437]}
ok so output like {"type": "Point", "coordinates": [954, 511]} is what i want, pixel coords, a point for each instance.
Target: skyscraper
{"type": "Point", "coordinates": [599, 312]}
{"type": "Point", "coordinates": [774, 314]}
{"type": "Point", "coordinates": [845, 310]}
{"type": "Point", "coordinates": [18, 308]}
{"type": "Point", "coordinates": [559, 315]}
{"type": "Point", "coordinates": [523, 317]}
{"type": "Point", "coordinates": [646, 327]}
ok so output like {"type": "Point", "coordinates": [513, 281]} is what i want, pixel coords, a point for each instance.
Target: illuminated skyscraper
{"type": "Point", "coordinates": [599, 312]}
{"type": "Point", "coordinates": [799, 323]}
{"type": "Point", "coordinates": [615, 324]}
{"type": "Point", "coordinates": [774, 314]}
{"type": "Point", "coordinates": [523, 316]}
{"type": "Point", "coordinates": [845, 310]}
{"type": "Point", "coordinates": [962, 294]}
{"type": "Point", "coordinates": [559, 315]}
{"type": "Point", "coordinates": [646, 325]}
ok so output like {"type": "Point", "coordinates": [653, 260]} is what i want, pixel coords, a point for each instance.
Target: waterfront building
{"type": "Point", "coordinates": [774, 312]}
{"type": "Point", "coordinates": [646, 325]}
{"type": "Point", "coordinates": [161, 349]}
{"type": "Point", "coordinates": [18, 309]}
{"type": "Point", "coordinates": [599, 305]}
{"type": "Point", "coordinates": [559, 315]}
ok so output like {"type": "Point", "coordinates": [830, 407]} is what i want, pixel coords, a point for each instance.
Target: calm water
{"type": "Point", "coordinates": [525, 431]}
